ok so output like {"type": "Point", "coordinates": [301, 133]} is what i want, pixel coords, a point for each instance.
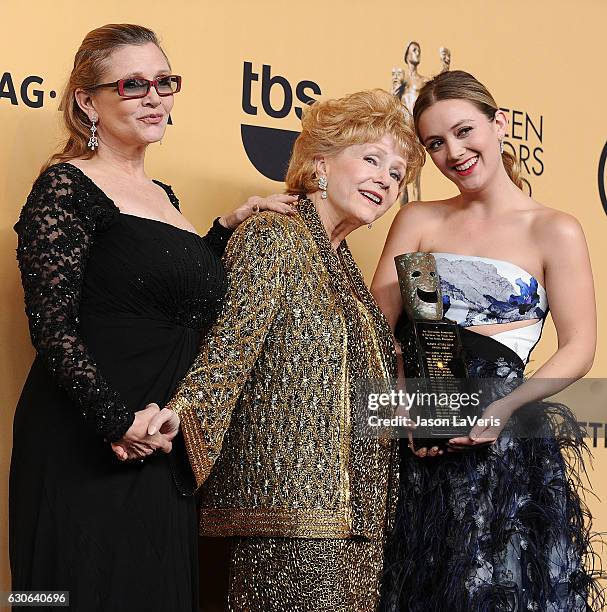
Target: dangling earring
{"type": "Point", "coordinates": [322, 185]}
{"type": "Point", "coordinates": [501, 146]}
{"type": "Point", "coordinates": [370, 226]}
{"type": "Point", "coordinates": [93, 140]}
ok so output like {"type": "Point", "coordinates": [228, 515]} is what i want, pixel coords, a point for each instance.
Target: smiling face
{"type": "Point", "coordinates": [363, 180]}
{"type": "Point", "coordinates": [126, 122]}
{"type": "Point", "coordinates": [463, 143]}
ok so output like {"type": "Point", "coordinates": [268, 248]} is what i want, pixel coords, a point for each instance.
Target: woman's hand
{"type": "Point", "coordinates": [278, 202]}
{"type": "Point", "coordinates": [484, 433]}
{"type": "Point", "coordinates": [422, 452]}
{"type": "Point", "coordinates": [404, 413]}
{"type": "Point", "coordinates": [487, 429]}
{"type": "Point", "coordinates": [166, 422]}
{"type": "Point", "coordinates": [153, 429]}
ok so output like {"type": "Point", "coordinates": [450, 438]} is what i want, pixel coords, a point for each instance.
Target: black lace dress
{"type": "Point", "coordinates": [117, 305]}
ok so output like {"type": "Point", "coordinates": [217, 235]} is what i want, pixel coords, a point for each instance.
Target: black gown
{"type": "Point", "coordinates": [117, 305]}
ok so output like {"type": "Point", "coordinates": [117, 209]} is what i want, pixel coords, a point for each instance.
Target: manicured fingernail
{"type": "Point", "coordinates": [152, 430]}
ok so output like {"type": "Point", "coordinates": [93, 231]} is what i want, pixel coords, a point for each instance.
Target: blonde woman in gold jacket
{"type": "Point", "coordinates": [267, 408]}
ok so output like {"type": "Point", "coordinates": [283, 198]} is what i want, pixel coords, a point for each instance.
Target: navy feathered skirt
{"type": "Point", "coordinates": [498, 529]}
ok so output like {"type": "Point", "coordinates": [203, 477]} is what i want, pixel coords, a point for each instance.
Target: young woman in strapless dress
{"type": "Point", "coordinates": [495, 522]}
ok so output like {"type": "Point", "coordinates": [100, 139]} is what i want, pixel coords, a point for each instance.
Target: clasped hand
{"type": "Point", "coordinates": [152, 430]}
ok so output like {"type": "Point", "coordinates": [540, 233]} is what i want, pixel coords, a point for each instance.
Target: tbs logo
{"type": "Point", "coordinates": [269, 149]}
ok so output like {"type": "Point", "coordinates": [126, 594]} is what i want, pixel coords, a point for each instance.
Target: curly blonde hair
{"type": "Point", "coordinates": [330, 126]}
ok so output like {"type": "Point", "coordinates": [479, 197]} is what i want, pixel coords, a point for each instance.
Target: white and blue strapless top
{"type": "Point", "coordinates": [484, 291]}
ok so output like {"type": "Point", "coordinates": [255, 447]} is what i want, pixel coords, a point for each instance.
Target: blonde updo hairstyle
{"type": "Point", "coordinates": [330, 126]}
{"type": "Point", "coordinates": [460, 85]}
{"type": "Point", "coordinates": [90, 64]}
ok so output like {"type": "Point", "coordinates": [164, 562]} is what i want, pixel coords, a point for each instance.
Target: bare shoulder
{"type": "Point", "coordinates": [423, 213]}
{"type": "Point", "coordinates": [79, 163]}
{"type": "Point", "coordinates": [84, 165]}
{"type": "Point", "coordinates": [556, 228]}
{"type": "Point", "coordinates": [411, 223]}
{"type": "Point", "coordinates": [559, 237]}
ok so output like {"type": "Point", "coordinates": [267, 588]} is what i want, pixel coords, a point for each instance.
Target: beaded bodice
{"type": "Point", "coordinates": [86, 265]}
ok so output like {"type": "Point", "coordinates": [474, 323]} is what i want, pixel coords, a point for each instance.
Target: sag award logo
{"type": "Point", "coordinates": [269, 149]}
{"type": "Point", "coordinates": [24, 92]}
{"type": "Point", "coordinates": [602, 181]}
{"type": "Point", "coordinates": [525, 132]}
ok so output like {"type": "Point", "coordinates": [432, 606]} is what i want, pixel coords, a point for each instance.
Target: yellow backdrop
{"type": "Point", "coordinates": [541, 60]}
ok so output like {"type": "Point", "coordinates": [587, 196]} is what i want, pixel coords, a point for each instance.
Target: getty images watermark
{"type": "Point", "coordinates": [434, 409]}
{"type": "Point", "coordinates": [446, 409]}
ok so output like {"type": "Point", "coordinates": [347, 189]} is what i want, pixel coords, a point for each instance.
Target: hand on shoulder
{"type": "Point", "coordinates": [278, 202]}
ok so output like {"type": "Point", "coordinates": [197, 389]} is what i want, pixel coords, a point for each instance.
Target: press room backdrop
{"type": "Point", "coordinates": [255, 64]}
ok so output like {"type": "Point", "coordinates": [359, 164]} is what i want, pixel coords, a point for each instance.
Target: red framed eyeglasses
{"type": "Point", "coordinates": [139, 87]}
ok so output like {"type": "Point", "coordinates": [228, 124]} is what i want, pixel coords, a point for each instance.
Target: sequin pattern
{"type": "Point", "coordinates": [268, 403]}
{"type": "Point", "coordinates": [280, 574]}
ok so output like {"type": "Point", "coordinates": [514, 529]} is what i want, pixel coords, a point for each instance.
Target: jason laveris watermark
{"type": "Point", "coordinates": [419, 421]}
{"type": "Point", "coordinates": [400, 404]}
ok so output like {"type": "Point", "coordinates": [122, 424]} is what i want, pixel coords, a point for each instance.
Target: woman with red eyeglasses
{"type": "Point", "coordinates": [118, 290]}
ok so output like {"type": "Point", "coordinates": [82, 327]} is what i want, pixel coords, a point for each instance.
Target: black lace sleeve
{"type": "Point", "coordinates": [217, 237]}
{"type": "Point", "coordinates": [55, 229]}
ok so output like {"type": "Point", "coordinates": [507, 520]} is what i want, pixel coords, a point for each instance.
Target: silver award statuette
{"type": "Point", "coordinates": [445, 58]}
{"type": "Point", "coordinates": [433, 355]}
{"type": "Point", "coordinates": [406, 85]}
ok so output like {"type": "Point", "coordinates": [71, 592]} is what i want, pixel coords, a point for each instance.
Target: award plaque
{"type": "Point", "coordinates": [433, 356]}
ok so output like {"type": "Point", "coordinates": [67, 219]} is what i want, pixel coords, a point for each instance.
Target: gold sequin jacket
{"type": "Point", "coordinates": [266, 409]}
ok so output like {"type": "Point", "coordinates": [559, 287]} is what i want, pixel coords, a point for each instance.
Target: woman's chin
{"type": "Point", "coordinates": [153, 134]}
{"type": "Point", "coordinates": [471, 184]}
{"type": "Point", "coordinates": [362, 221]}
{"type": "Point", "coordinates": [369, 215]}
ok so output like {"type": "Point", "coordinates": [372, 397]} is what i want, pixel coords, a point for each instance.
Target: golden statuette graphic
{"type": "Point", "coordinates": [406, 84]}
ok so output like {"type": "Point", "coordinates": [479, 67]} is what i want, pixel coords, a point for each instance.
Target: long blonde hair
{"type": "Point", "coordinates": [460, 85]}
{"type": "Point", "coordinates": [90, 63]}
